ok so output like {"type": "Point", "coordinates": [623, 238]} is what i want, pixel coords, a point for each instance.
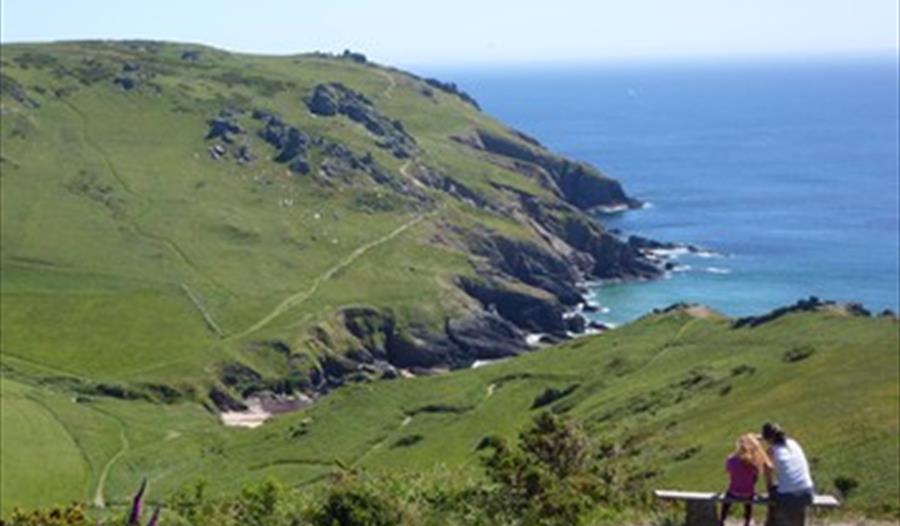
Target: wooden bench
{"type": "Point", "coordinates": [701, 507]}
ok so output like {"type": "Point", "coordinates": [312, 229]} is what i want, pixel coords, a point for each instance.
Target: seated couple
{"type": "Point", "coordinates": [782, 462]}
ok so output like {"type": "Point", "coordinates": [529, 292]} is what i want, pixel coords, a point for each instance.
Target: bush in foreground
{"type": "Point", "coordinates": [551, 476]}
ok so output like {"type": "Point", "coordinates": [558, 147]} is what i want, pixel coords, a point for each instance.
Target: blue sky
{"type": "Point", "coordinates": [418, 32]}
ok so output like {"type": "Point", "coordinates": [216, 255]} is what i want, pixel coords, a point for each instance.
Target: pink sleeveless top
{"type": "Point", "coordinates": [743, 477]}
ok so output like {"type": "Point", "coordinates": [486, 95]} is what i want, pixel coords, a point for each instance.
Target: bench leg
{"type": "Point", "coordinates": [786, 516]}
{"type": "Point", "coordinates": [701, 513]}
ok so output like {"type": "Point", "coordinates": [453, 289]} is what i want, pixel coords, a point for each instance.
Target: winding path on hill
{"type": "Point", "coordinates": [99, 501]}
{"type": "Point", "coordinates": [668, 345]}
{"type": "Point", "coordinates": [378, 444]}
{"type": "Point", "coordinates": [392, 83]}
{"type": "Point", "coordinates": [207, 316]}
{"type": "Point", "coordinates": [404, 171]}
{"type": "Point", "coordinates": [301, 296]}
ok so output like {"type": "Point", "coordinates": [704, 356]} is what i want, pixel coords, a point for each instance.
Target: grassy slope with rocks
{"type": "Point", "coordinates": [171, 209]}
{"type": "Point", "coordinates": [665, 397]}
{"type": "Point", "coordinates": [146, 267]}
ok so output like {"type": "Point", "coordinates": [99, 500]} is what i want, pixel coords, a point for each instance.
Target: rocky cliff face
{"type": "Point", "coordinates": [577, 183]}
{"type": "Point", "coordinates": [288, 173]}
{"type": "Point", "coordinates": [520, 285]}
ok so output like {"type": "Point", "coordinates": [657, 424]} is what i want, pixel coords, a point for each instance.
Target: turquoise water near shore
{"type": "Point", "coordinates": [788, 170]}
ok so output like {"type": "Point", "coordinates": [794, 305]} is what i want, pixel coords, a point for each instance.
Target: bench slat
{"type": "Point", "coordinates": [683, 495]}
{"type": "Point", "coordinates": [828, 501]}
{"type": "Point", "coordinates": [825, 501]}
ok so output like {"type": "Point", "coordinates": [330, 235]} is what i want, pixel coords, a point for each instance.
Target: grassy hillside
{"type": "Point", "coordinates": [184, 229]}
{"type": "Point", "coordinates": [667, 395]}
{"type": "Point", "coordinates": [166, 208]}
{"type": "Point", "coordinates": [111, 207]}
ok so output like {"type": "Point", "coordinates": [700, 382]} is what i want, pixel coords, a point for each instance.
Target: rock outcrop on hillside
{"type": "Point", "coordinates": [513, 216]}
{"type": "Point", "coordinates": [328, 100]}
{"type": "Point", "coordinates": [480, 336]}
{"type": "Point", "coordinates": [577, 183]}
{"type": "Point", "coordinates": [811, 304]}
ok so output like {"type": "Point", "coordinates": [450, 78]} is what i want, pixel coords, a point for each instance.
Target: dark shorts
{"type": "Point", "coordinates": [799, 499]}
{"type": "Point", "coordinates": [731, 495]}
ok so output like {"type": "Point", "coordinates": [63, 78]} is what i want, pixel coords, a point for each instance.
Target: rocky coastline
{"type": "Point", "coordinates": [524, 293]}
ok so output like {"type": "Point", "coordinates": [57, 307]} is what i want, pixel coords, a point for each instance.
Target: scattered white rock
{"type": "Point", "coordinates": [534, 339]}
{"type": "Point", "coordinates": [263, 407]}
{"type": "Point", "coordinates": [253, 416]}
{"type": "Point", "coordinates": [481, 363]}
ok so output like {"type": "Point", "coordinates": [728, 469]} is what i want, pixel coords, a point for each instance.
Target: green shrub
{"type": "Point", "coordinates": [845, 485]}
{"type": "Point", "coordinates": [550, 395]}
{"type": "Point", "coordinates": [549, 479]}
{"type": "Point", "coordinates": [351, 503]}
{"type": "Point", "coordinates": [72, 515]}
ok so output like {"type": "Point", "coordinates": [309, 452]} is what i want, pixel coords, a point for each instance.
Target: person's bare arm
{"type": "Point", "coordinates": [769, 472]}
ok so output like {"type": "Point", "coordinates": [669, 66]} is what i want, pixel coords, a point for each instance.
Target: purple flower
{"type": "Point", "coordinates": [154, 518]}
{"type": "Point", "coordinates": [137, 504]}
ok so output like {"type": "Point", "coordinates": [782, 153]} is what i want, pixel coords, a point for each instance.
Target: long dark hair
{"type": "Point", "coordinates": [773, 433]}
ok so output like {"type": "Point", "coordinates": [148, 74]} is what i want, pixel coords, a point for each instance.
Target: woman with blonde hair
{"type": "Point", "coordinates": [743, 467]}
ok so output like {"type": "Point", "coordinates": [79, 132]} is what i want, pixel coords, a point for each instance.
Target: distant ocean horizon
{"type": "Point", "coordinates": [788, 170]}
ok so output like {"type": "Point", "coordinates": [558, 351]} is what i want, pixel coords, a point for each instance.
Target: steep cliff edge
{"type": "Point", "coordinates": [248, 200]}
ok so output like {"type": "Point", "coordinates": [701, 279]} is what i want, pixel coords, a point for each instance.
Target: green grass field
{"type": "Point", "coordinates": [634, 391]}
{"type": "Point", "coordinates": [129, 258]}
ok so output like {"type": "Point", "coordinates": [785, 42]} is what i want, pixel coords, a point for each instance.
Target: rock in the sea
{"type": "Point", "coordinates": [576, 323]}
{"type": "Point", "coordinates": [644, 243]}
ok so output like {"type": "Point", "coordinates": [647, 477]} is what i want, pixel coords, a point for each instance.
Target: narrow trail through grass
{"type": "Point", "coordinates": [99, 500]}
{"type": "Point", "coordinates": [299, 297]}
{"type": "Point", "coordinates": [668, 347]}
{"type": "Point", "coordinates": [99, 149]}
{"type": "Point", "coordinates": [207, 316]}
{"type": "Point", "coordinates": [392, 83]}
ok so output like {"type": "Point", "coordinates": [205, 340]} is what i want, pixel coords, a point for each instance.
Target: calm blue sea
{"type": "Point", "coordinates": [788, 169]}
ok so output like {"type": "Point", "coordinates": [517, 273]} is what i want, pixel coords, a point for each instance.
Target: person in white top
{"type": "Point", "coordinates": [789, 479]}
